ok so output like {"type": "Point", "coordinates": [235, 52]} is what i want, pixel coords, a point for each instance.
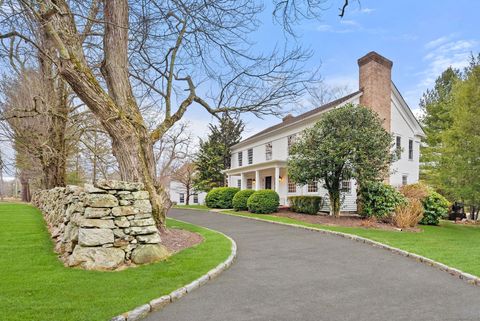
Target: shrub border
{"type": "Point", "coordinates": [467, 277]}
{"type": "Point", "coordinates": [157, 304]}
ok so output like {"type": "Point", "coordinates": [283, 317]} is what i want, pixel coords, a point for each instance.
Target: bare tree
{"type": "Point", "coordinates": [37, 127]}
{"type": "Point", "coordinates": [165, 50]}
{"type": "Point", "coordinates": [321, 93]}
{"type": "Point", "coordinates": [185, 176]}
{"type": "Point", "coordinates": [289, 12]}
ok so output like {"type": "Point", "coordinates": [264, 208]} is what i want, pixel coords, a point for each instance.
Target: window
{"type": "Point", "coordinates": [268, 151]}
{"type": "Point", "coordinates": [291, 140]}
{"type": "Point", "coordinates": [410, 149]}
{"type": "Point", "coordinates": [239, 183]}
{"type": "Point", "coordinates": [240, 158]}
{"type": "Point", "coordinates": [398, 147]}
{"type": "Point", "coordinates": [250, 156]}
{"type": "Point", "coordinates": [346, 187]}
{"type": "Point", "coordinates": [195, 198]}
{"type": "Point", "coordinates": [292, 187]}
{"type": "Point", "coordinates": [404, 179]}
{"type": "Point", "coordinates": [182, 198]}
{"type": "Point", "coordinates": [312, 187]}
{"type": "Point", "coordinates": [249, 183]}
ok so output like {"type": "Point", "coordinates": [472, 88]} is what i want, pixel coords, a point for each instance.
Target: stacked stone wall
{"type": "Point", "coordinates": [105, 226]}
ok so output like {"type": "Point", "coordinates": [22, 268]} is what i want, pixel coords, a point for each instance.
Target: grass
{"type": "Point", "coordinates": [193, 207]}
{"type": "Point", "coordinates": [34, 284]}
{"type": "Point", "coordinates": [452, 244]}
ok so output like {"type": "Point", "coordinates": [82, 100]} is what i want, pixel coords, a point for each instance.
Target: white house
{"type": "Point", "coordinates": [178, 194]}
{"type": "Point", "coordinates": [260, 161]}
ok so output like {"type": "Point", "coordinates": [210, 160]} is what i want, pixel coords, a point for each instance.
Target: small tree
{"type": "Point", "coordinates": [348, 142]}
{"type": "Point", "coordinates": [459, 168]}
{"type": "Point", "coordinates": [214, 154]}
{"type": "Point", "coordinates": [185, 176]}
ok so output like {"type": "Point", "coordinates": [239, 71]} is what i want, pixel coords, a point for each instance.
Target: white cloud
{"type": "Point", "coordinates": [441, 53]}
{"type": "Point", "coordinates": [444, 54]}
{"type": "Point", "coordinates": [349, 22]}
{"type": "Point", "coordinates": [367, 10]}
{"type": "Point", "coordinates": [436, 42]}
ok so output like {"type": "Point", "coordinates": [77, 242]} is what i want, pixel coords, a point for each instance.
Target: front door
{"type": "Point", "coordinates": [268, 182]}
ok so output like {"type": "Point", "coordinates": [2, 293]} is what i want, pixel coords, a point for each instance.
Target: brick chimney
{"type": "Point", "coordinates": [375, 81]}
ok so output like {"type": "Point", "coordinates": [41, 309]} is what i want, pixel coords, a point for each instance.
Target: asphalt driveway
{"type": "Point", "coordinates": [285, 273]}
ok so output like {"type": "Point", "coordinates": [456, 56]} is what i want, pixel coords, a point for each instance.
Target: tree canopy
{"type": "Point", "coordinates": [348, 142]}
{"type": "Point", "coordinates": [214, 155]}
{"type": "Point", "coordinates": [459, 163]}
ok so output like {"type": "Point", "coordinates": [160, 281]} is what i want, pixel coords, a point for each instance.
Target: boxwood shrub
{"type": "Point", "coordinates": [240, 199]}
{"type": "Point", "coordinates": [263, 201]}
{"type": "Point", "coordinates": [221, 197]}
{"type": "Point", "coordinates": [379, 199]}
{"type": "Point", "coordinates": [435, 206]}
{"type": "Point", "coordinates": [305, 204]}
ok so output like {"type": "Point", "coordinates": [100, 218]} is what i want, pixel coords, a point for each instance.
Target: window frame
{"type": "Point", "coordinates": [181, 198]}
{"type": "Point", "coordinates": [195, 198]}
{"type": "Point", "coordinates": [410, 149]}
{"type": "Point", "coordinates": [268, 151]}
{"type": "Point", "coordinates": [240, 159]}
{"type": "Point", "coordinates": [312, 187]}
{"type": "Point", "coordinates": [239, 183]}
{"type": "Point", "coordinates": [290, 141]}
{"type": "Point", "coordinates": [346, 190]}
{"type": "Point", "coordinates": [250, 156]}
{"type": "Point", "coordinates": [290, 184]}
{"type": "Point", "coordinates": [398, 147]}
{"type": "Point", "coordinates": [404, 179]}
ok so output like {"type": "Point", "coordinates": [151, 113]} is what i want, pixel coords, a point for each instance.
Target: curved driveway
{"type": "Point", "coordinates": [286, 273]}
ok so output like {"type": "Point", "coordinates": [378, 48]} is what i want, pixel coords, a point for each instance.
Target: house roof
{"type": "Point", "coordinates": [293, 119]}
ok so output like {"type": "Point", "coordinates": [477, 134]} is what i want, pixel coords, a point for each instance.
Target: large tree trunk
{"type": "Point", "coordinates": [135, 156]}
{"type": "Point", "coordinates": [334, 197]}
{"type": "Point", "coordinates": [25, 182]}
{"type": "Point", "coordinates": [117, 110]}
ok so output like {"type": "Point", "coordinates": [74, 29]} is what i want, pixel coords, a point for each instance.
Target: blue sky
{"type": "Point", "coordinates": [422, 38]}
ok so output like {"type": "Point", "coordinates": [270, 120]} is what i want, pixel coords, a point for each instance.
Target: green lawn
{"type": "Point", "coordinates": [192, 207]}
{"type": "Point", "coordinates": [451, 244]}
{"type": "Point", "coordinates": [34, 284]}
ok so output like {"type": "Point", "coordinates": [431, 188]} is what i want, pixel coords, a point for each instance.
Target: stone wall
{"type": "Point", "coordinates": [103, 227]}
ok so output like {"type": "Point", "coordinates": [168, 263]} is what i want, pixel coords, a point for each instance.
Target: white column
{"type": "Point", "coordinates": [257, 180]}
{"type": "Point", "coordinates": [243, 184]}
{"type": "Point", "coordinates": [277, 179]}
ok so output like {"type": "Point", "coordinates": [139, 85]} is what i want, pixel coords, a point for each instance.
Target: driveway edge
{"type": "Point", "coordinates": [469, 278]}
{"type": "Point", "coordinates": [157, 304]}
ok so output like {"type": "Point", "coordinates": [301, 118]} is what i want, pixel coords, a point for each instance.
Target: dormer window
{"type": "Point", "coordinates": [268, 151]}
{"type": "Point", "coordinates": [240, 158]}
{"type": "Point", "coordinates": [250, 156]}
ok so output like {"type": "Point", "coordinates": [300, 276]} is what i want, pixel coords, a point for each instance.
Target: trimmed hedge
{"type": "Point", "coordinates": [221, 197]}
{"type": "Point", "coordinates": [305, 204]}
{"type": "Point", "coordinates": [264, 201]}
{"type": "Point", "coordinates": [379, 199]}
{"type": "Point", "coordinates": [240, 199]}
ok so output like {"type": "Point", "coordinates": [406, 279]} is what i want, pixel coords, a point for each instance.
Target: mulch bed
{"type": "Point", "coordinates": [176, 240]}
{"type": "Point", "coordinates": [343, 220]}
